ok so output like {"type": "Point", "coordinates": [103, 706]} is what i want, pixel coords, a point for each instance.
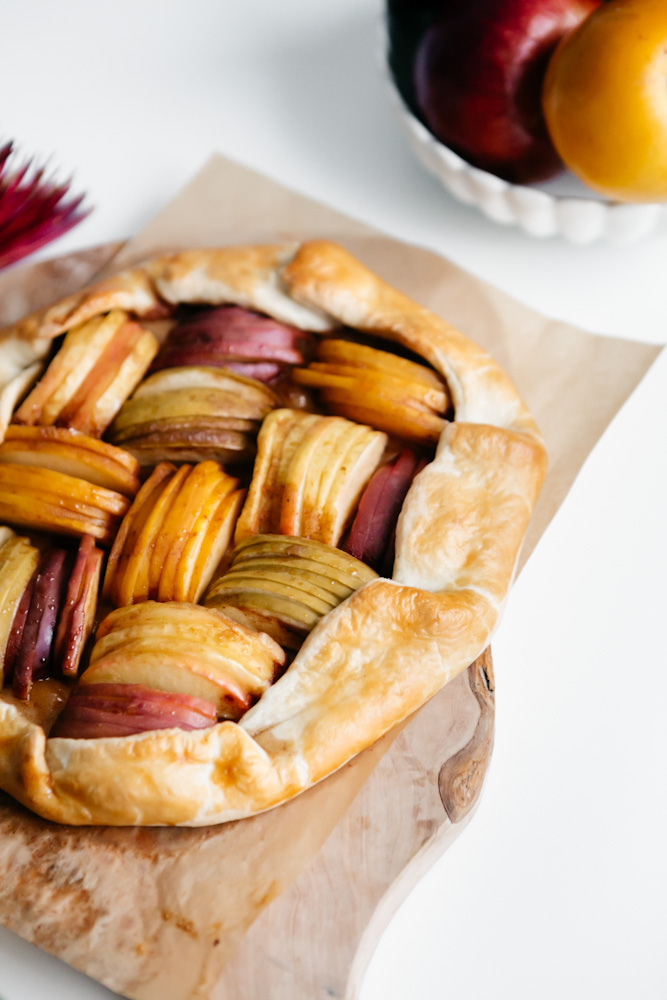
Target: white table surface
{"type": "Point", "coordinates": [558, 886]}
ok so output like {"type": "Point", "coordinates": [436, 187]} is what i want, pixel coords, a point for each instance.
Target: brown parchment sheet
{"type": "Point", "coordinates": [156, 913]}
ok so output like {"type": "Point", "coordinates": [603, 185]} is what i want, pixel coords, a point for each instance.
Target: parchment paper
{"type": "Point", "coordinates": [157, 913]}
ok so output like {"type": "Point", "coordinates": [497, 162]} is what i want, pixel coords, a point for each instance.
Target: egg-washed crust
{"type": "Point", "coordinates": [389, 647]}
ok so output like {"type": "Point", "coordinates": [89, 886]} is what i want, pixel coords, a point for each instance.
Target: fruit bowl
{"type": "Point", "coordinates": [560, 207]}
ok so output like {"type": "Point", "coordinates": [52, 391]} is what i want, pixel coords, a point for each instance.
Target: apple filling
{"type": "Point", "coordinates": [97, 367]}
{"type": "Point", "coordinates": [48, 603]}
{"type": "Point", "coordinates": [237, 339]}
{"type": "Point", "coordinates": [313, 522]}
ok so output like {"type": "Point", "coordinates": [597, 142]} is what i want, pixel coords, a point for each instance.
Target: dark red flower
{"type": "Point", "coordinates": [33, 209]}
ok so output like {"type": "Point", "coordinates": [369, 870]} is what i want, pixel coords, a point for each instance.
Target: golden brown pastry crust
{"type": "Point", "coordinates": [383, 652]}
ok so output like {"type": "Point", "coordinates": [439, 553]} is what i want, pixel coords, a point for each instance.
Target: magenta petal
{"type": "Point", "coordinates": [33, 210]}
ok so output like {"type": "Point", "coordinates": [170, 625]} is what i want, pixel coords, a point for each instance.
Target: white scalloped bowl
{"type": "Point", "coordinates": [561, 207]}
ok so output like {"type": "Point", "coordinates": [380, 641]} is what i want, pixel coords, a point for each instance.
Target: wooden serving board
{"type": "Point", "coordinates": [235, 912]}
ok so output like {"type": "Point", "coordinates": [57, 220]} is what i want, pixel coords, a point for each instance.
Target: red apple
{"type": "Point", "coordinates": [18, 626]}
{"type": "Point", "coordinates": [79, 607]}
{"type": "Point", "coordinates": [375, 522]}
{"type": "Point", "coordinates": [478, 80]}
{"type": "Point", "coordinates": [99, 710]}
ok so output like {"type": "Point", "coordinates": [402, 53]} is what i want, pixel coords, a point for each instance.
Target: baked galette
{"type": "Point", "coordinates": [257, 507]}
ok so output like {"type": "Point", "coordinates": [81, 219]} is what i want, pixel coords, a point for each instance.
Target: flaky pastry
{"type": "Point", "coordinates": [379, 655]}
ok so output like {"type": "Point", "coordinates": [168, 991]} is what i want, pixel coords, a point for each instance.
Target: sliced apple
{"type": "Point", "coordinates": [18, 627]}
{"type": "Point", "coordinates": [175, 674]}
{"type": "Point", "coordinates": [117, 373]}
{"type": "Point", "coordinates": [52, 501]}
{"type": "Point", "coordinates": [18, 562]}
{"type": "Point", "coordinates": [361, 380]}
{"type": "Point", "coordinates": [330, 581]}
{"type": "Point", "coordinates": [13, 391]}
{"type": "Point", "coordinates": [304, 548]}
{"type": "Point", "coordinates": [258, 371]}
{"type": "Point", "coordinates": [398, 420]}
{"type": "Point", "coordinates": [346, 352]}
{"type": "Point", "coordinates": [78, 353]}
{"type": "Point", "coordinates": [35, 651]}
{"type": "Point", "coordinates": [207, 377]}
{"type": "Point", "coordinates": [317, 448]}
{"type": "Point", "coordinates": [286, 621]}
{"type": "Point", "coordinates": [200, 402]}
{"type": "Point", "coordinates": [108, 710]}
{"type": "Point", "coordinates": [281, 434]}
{"type": "Point", "coordinates": [81, 621]}
{"type": "Point", "coordinates": [279, 581]}
{"type": "Point", "coordinates": [251, 658]}
{"type": "Point", "coordinates": [208, 541]}
{"type": "Point", "coordinates": [379, 508]}
{"type": "Point", "coordinates": [142, 504]}
{"type": "Point", "coordinates": [68, 451]}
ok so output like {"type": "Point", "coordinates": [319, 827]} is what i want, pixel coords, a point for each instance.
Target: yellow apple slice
{"type": "Point", "coordinates": [76, 356]}
{"type": "Point", "coordinates": [319, 486]}
{"type": "Point", "coordinates": [279, 436]}
{"type": "Point", "coordinates": [30, 512]}
{"type": "Point", "coordinates": [318, 447]}
{"type": "Point", "coordinates": [208, 540]}
{"type": "Point", "coordinates": [74, 454]}
{"type": "Point", "coordinates": [398, 420]}
{"type": "Point", "coordinates": [185, 403]}
{"type": "Point", "coordinates": [114, 378]}
{"type": "Point", "coordinates": [135, 571]}
{"type": "Point", "coordinates": [102, 332]}
{"type": "Point", "coordinates": [255, 657]}
{"type": "Point", "coordinates": [14, 390]}
{"type": "Point", "coordinates": [71, 492]}
{"type": "Point", "coordinates": [345, 352]}
{"type": "Point", "coordinates": [18, 561]}
{"type": "Point", "coordinates": [322, 375]}
{"type": "Point", "coordinates": [203, 377]}
{"type": "Point", "coordinates": [138, 512]}
{"type": "Point", "coordinates": [199, 484]}
{"type": "Point", "coordinates": [352, 475]}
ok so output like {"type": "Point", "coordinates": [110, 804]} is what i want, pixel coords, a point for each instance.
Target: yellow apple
{"type": "Point", "coordinates": [605, 100]}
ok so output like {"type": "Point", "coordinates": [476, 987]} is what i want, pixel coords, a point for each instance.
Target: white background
{"type": "Point", "coordinates": [558, 886]}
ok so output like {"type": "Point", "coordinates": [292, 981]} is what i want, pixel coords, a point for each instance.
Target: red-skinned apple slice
{"type": "Point", "coordinates": [18, 626]}
{"type": "Point", "coordinates": [379, 508]}
{"type": "Point", "coordinates": [78, 617]}
{"type": "Point", "coordinates": [18, 562]}
{"type": "Point", "coordinates": [237, 323]}
{"type": "Point", "coordinates": [259, 371]}
{"type": "Point", "coordinates": [108, 710]}
{"type": "Point", "coordinates": [34, 655]}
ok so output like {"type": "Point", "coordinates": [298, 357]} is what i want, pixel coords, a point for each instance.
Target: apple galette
{"type": "Point", "coordinates": [257, 507]}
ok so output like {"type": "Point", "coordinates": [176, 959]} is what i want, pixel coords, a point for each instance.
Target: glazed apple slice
{"type": "Point", "coordinates": [35, 650]}
{"type": "Point", "coordinates": [180, 674]}
{"type": "Point", "coordinates": [258, 371]}
{"type": "Point", "coordinates": [18, 562]}
{"type": "Point", "coordinates": [345, 352]}
{"type": "Point", "coordinates": [332, 559]}
{"type": "Point", "coordinates": [13, 391]}
{"type": "Point", "coordinates": [72, 453]}
{"type": "Point", "coordinates": [137, 577]}
{"type": "Point", "coordinates": [279, 436]}
{"type": "Point", "coordinates": [279, 580]}
{"type": "Point", "coordinates": [287, 622]}
{"type": "Point", "coordinates": [329, 584]}
{"type": "Point", "coordinates": [362, 380]}
{"type": "Point", "coordinates": [207, 377]}
{"type": "Point", "coordinates": [117, 373]}
{"type": "Point", "coordinates": [237, 323]}
{"type": "Point", "coordinates": [201, 481]}
{"type": "Point", "coordinates": [17, 629]}
{"type": "Point", "coordinates": [75, 628]}
{"type": "Point", "coordinates": [316, 448]}
{"type": "Point", "coordinates": [108, 710]}
{"type": "Point", "coordinates": [398, 420]}
{"type": "Point", "coordinates": [208, 541]}
{"type": "Point", "coordinates": [143, 503]}
{"type": "Point", "coordinates": [69, 367]}
{"type": "Point", "coordinates": [379, 508]}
